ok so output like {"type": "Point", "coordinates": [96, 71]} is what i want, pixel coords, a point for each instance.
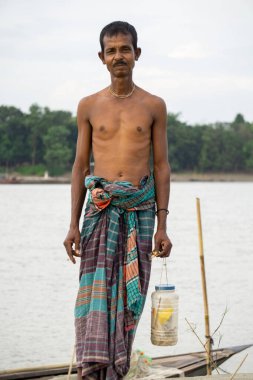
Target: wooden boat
{"type": "Point", "coordinates": [194, 364]}
{"type": "Point", "coordinates": [191, 364]}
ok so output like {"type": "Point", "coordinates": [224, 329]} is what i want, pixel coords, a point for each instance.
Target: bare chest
{"type": "Point", "coordinates": [121, 120]}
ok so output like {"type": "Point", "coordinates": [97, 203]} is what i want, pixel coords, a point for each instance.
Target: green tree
{"type": "Point", "coordinates": [184, 144]}
{"type": "Point", "coordinates": [58, 152]}
{"type": "Point", "coordinates": [211, 150]}
{"type": "Point", "coordinates": [248, 147]}
{"type": "Point", "coordinates": [36, 131]}
{"type": "Point", "coordinates": [13, 137]}
{"type": "Point", "coordinates": [62, 118]}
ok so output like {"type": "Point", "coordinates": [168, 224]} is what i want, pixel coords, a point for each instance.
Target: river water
{"type": "Point", "coordinates": [39, 285]}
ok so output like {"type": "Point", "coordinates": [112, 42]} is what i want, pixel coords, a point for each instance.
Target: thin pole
{"type": "Point", "coordinates": [204, 290]}
{"type": "Point", "coordinates": [71, 362]}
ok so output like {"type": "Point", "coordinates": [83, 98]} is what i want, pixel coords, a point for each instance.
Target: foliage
{"type": "Point", "coordinates": [29, 170]}
{"type": "Point", "coordinates": [219, 147]}
{"type": "Point", "coordinates": [37, 141]}
{"type": "Point", "coordinates": [41, 139]}
{"type": "Point", "coordinates": [58, 154]}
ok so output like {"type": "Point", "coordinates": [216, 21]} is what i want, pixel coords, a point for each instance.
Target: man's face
{"type": "Point", "coordinates": [119, 55]}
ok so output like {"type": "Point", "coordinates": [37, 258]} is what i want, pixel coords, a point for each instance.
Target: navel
{"type": "Point", "coordinates": [139, 129]}
{"type": "Point", "coordinates": [120, 174]}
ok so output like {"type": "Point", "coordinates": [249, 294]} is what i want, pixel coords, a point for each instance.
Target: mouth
{"type": "Point", "coordinates": [119, 64]}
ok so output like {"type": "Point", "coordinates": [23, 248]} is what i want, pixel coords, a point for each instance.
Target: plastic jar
{"type": "Point", "coordinates": [164, 316]}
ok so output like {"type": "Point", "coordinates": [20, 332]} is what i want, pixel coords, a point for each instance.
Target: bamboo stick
{"type": "Point", "coordinates": [71, 362]}
{"type": "Point", "coordinates": [204, 289]}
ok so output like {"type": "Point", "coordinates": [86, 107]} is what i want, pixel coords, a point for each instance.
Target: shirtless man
{"type": "Point", "coordinates": [119, 124]}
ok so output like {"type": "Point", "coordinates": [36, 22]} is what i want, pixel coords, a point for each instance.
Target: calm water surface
{"type": "Point", "coordinates": [39, 285]}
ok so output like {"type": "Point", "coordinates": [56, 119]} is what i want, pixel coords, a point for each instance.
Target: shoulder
{"type": "Point", "coordinates": [155, 103]}
{"type": "Point", "coordinates": [159, 106]}
{"type": "Point", "coordinates": [89, 100]}
{"type": "Point", "coordinates": [87, 103]}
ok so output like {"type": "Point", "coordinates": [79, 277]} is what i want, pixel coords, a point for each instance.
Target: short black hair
{"type": "Point", "coordinates": [117, 27]}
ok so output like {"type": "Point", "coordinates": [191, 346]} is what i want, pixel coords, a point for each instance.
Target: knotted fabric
{"type": "Point", "coordinates": [114, 273]}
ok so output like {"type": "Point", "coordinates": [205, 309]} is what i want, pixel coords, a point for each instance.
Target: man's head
{"type": "Point", "coordinates": [118, 27]}
{"type": "Point", "coordinates": [119, 49]}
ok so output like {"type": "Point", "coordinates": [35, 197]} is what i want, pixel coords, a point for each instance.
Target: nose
{"type": "Point", "coordinates": [118, 55]}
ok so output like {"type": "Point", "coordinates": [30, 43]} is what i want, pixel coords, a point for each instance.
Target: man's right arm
{"type": "Point", "coordinates": [81, 169]}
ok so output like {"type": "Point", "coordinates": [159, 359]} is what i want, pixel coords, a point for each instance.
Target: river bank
{"type": "Point", "coordinates": [175, 177]}
{"type": "Point", "coordinates": [212, 177]}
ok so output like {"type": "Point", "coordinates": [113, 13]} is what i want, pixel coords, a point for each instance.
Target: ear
{"type": "Point", "coordinates": [101, 56]}
{"type": "Point", "coordinates": [137, 53]}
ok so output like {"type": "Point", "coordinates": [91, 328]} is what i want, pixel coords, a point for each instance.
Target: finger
{"type": "Point", "coordinates": [71, 256]}
{"type": "Point", "coordinates": [156, 251]}
{"type": "Point", "coordinates": [157, 245]}
{"type": "Point", "coordinates": [77, 247]}
{"type": "Point", "coordinates": [164, 254]}
{"type": "Point", "coordinates": [68, 247]}
{"type": "Point", "coordinates": [166, 248]}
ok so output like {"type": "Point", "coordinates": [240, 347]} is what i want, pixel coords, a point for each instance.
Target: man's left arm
{"type": "Point", "coordinates": [162, 177]}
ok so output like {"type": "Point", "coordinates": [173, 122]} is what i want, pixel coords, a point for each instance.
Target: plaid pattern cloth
{"type": "Point", "coordinates": [114, 274]}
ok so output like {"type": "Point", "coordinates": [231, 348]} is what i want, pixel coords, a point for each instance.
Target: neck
{"type": "Point", "coordinates": [122, 86]}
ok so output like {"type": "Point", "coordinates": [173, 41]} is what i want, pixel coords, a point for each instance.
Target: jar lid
{"type": "Point", "coordinates": [165, 287]}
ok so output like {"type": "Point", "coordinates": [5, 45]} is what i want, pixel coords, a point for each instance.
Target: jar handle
{"type": "Point", "coordinates": [164, 267]}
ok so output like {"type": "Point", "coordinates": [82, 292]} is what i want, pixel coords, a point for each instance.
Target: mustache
{"type": "Point", "coordinates": [119, 63]}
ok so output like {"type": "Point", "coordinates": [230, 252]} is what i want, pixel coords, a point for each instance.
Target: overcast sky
{"type": "Point", "coordinates": [196, 54]}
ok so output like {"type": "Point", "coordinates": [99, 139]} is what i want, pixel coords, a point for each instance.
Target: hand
{"type": "Point", "coordinates": [73, 237]}
{"type": "Point", "coordinates": [163, 244]}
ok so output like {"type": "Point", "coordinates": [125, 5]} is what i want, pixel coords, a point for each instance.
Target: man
{"type": "Point", "coordinates": [119, 125]}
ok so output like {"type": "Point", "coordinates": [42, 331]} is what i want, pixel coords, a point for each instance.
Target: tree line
{"type": "Point", "coordinates": [42, 139]}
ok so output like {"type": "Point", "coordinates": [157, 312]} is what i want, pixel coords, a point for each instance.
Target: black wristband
{"type": "Point", "coordinates": [162, 209]}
